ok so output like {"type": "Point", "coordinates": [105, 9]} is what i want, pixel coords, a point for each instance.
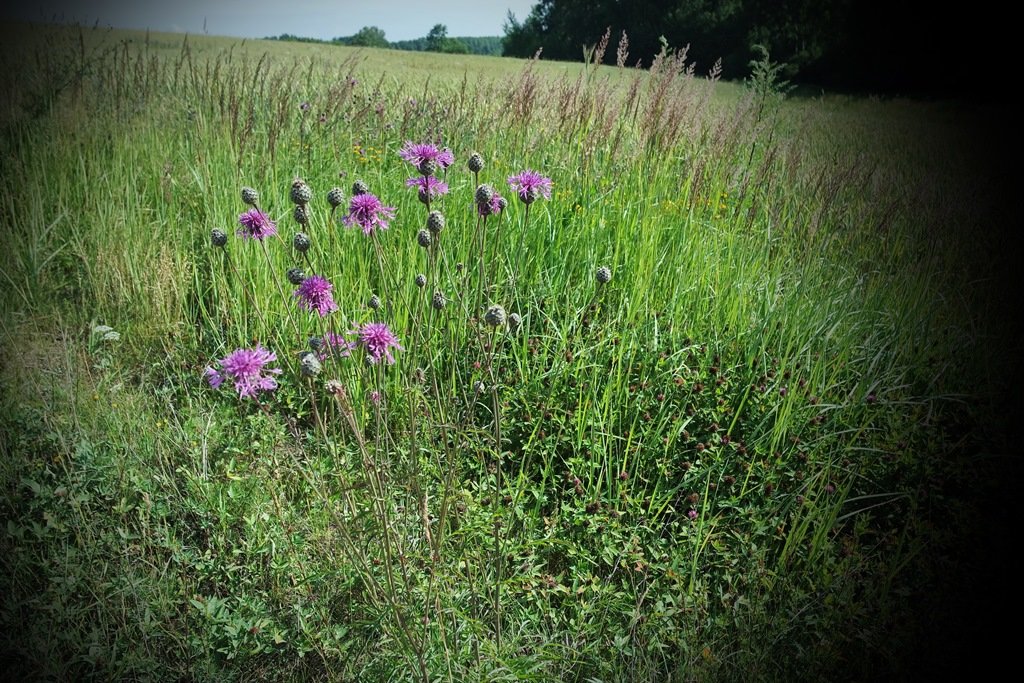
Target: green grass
{"type": "Point", "coordinates": [742, 458]}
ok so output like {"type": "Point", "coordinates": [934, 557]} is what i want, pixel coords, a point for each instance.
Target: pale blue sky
{"type": "Point", "coordinates": [399, 19]}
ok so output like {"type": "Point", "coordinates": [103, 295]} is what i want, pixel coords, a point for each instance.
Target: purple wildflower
{"type": "Point", "coordinates": [304, 107]}
{"type": "Point", "coordinates": [255, 225]}
{"type": "Point", "coordinates": [314, 294]}
{"type": "Point", "coordinates": [377, 340]}
{"type": "Point", "coordinates": [245, 369]}
{"type": "Point", "coordinates": [416, 153]}
{"type": "Point", "coordinates": [429, 187]}
{"type": "Point", "coordinates": [213, 377]}
{"type": "Point", "coordinates": [366, 211]}
{"type": "Point", "coordinates": [692, 514]}
{"type": "Point", "coordinates": [493, 206]}
{"type": "Point", "coordinates": [530, 185]}
{"type": "Point", "coordinates": [375, 397]}
{"type": "Point", "coordinates": [335, 345]}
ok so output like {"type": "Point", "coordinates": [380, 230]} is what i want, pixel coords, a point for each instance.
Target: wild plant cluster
{"type": "Point", "coordinates": [605, 374]}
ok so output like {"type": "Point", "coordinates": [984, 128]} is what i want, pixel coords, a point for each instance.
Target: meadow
{"type": "Point", "coordinates": [333, 364]}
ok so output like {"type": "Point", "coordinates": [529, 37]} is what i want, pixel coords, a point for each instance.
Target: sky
{"type": "Point", "coordinates": [325, 19]}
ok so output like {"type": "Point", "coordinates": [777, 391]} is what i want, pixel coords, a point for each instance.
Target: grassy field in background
{"type": "Point", "coordinates": [772, 445]}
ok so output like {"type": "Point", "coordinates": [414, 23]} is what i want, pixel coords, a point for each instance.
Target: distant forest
{"type": "Point", "coordinates": [867, 45]}
{"type": "Point", "coordinates": [435, 41]}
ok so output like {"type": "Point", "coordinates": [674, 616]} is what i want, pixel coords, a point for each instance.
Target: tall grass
{"type": "Point", "coordinates": [726, 462]}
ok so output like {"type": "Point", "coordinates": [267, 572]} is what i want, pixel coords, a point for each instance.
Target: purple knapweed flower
{"type": "Point", "coordinates": [314, 294]}
{"type": "Point", "coordinates": [530, 185]}
{"type": "Point", "coordinates": [493, 206]}
{"type": "Point", "coordinates": [366, 211]}
{"type": "Point", "coordinates": [377, 340]}
{"type": "Point", "coordinates": [245, 369]}
{"type": "Point", "coordinates": [429, 187]}
{"type": "Point", "coordinates": [375, 396]}
{"type": "Point", "coordinates": [416, 153]}
{"type": "Point", "coordinates": [692, 514]}
{"type": "Point", "coordinates": [255, 225]}
{"type": "Point", "coordinates": [334, 345]}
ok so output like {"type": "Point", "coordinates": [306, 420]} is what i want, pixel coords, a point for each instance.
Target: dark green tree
{"type": "Point", "coordinates": [369, 36]}
{"type": "Point", "coordinates": [522, 39]}
{"type": "Point", "coordinates": [436, 38]}
{"type": "Point", "coordinates": [438, 41]}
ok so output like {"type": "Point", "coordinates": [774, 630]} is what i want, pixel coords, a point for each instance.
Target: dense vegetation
{"type": "Point", "coordinates": [863, 45]}
{"type": "Point", "coordinates": [724, 402]}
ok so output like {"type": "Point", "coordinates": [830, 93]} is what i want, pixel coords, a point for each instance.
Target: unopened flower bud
{"type": "Point", "coordinates": [218, 237]}
{"type": "Point", "coordinates": [435, 222]}
{"type": "Point", "coordinates": [335, 197]}
{"type": "Point", "coordinates": [476, 163]}
{"type": "Point", "coordinates": [309, 364]}
{"type": "Point", "coordinates": [300, 192]}
{"type": "Point", "coordinates": [495, 315]}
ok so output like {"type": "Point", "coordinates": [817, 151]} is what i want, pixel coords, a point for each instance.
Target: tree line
{"type": "Point", "coordinates": [842, 44]}
{"type": "Point", "coordinates": [437, 40]}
